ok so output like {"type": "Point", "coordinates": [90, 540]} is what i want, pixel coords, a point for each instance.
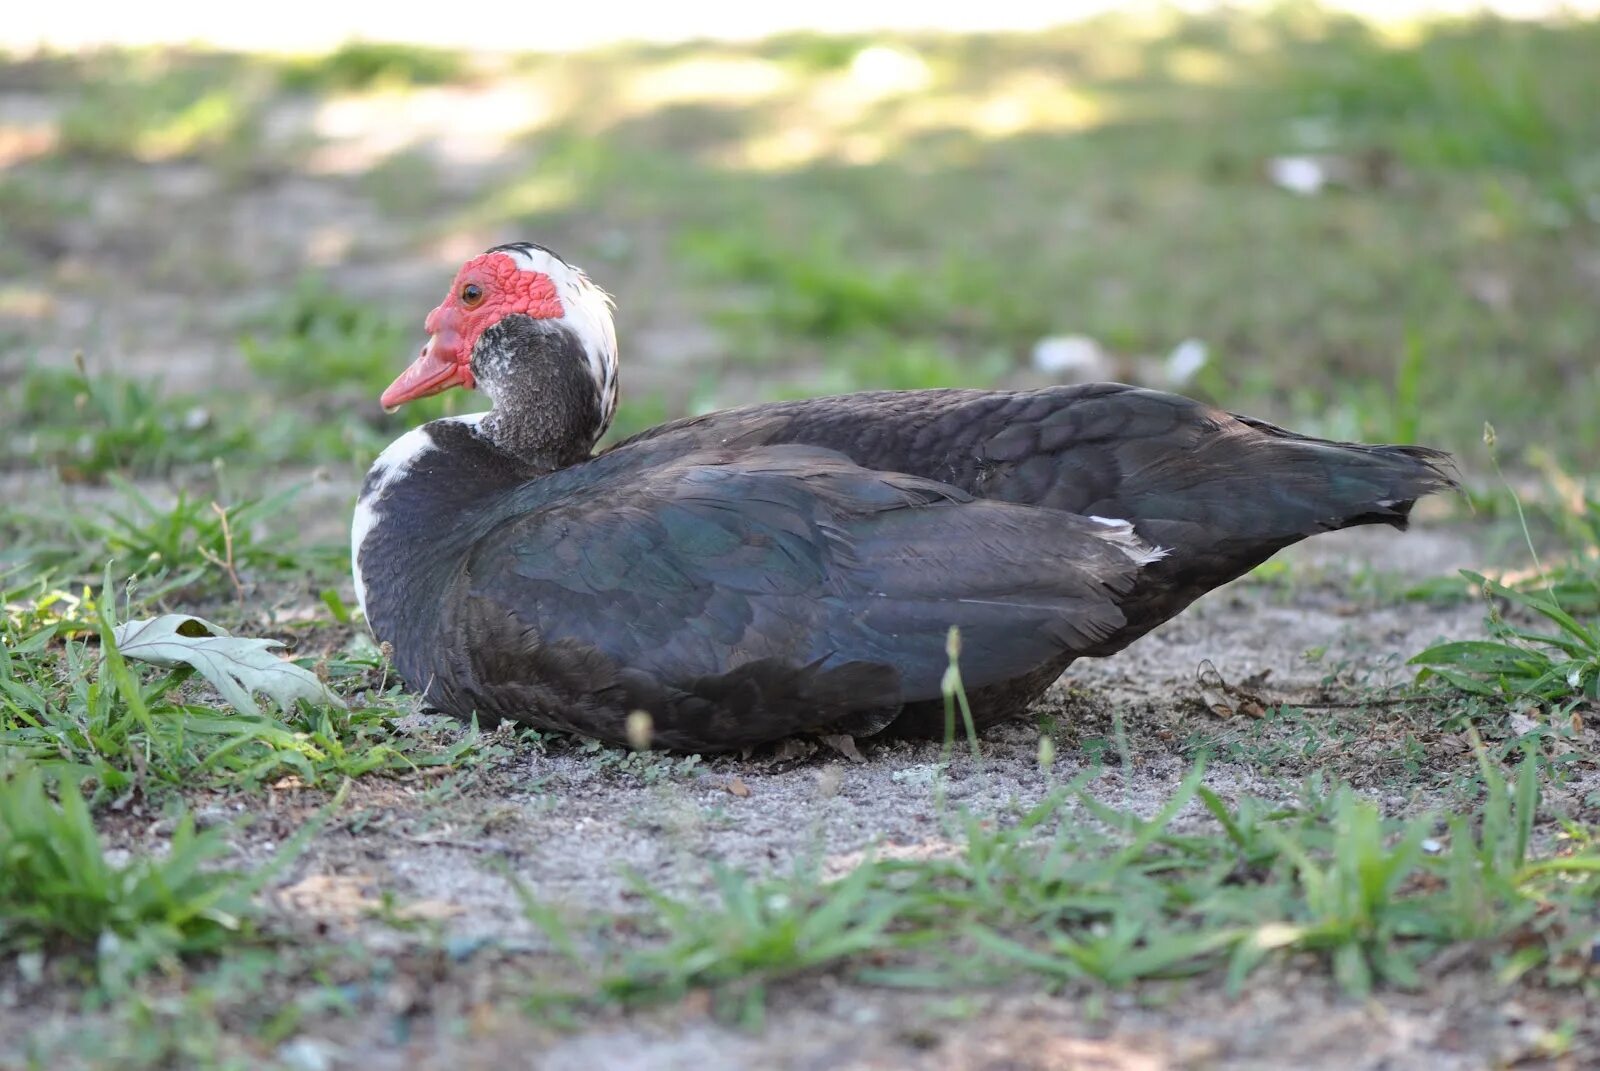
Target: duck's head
{"type": "Point", "coordinates": [526, 328]}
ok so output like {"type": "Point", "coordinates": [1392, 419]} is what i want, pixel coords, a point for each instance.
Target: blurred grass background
{"type": "Point", "coordinates": [1375, 230]}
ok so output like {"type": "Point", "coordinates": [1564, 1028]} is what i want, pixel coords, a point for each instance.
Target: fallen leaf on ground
{"type": "Point", "coordinates": [342, 895]}
{"type": "Point", "coordinates": [1522, 724]}
{"type": "Point", "coordinates": [233, 665]}
{"type": "Point", "coordinates": [738, 788]}
{"type": "Point", "coordinates": [844, 744]}
{"type": "Point", "coordinates": [791, 749]}
{"type": "Point", "coordinates": [346, 896]}
{"type": "Point", "coordinates": [1223, 699]}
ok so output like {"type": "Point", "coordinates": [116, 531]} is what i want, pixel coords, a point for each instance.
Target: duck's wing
{"type": "Point", "coordinates": [1221, 492]}
{"type": "Point", "coordinates": [740, 595]}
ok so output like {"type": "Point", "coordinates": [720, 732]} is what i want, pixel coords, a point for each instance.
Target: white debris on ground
{"type": "Point", "coordinates": [1073, 359]}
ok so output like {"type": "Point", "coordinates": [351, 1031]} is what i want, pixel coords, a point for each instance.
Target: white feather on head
{"type": "Point", "coordinates": [586, 311]}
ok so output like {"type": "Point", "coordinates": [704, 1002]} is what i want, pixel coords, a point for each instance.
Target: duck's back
{"type": "Point", "coordinates": [1219, 492]}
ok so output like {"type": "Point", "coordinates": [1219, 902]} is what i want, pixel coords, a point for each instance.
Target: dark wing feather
{"type": "Point", "coordinates": [752, 593]}
{"type": "Point", "coordinates": [1222, 493]}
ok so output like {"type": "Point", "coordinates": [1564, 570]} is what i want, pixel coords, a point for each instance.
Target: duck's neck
{"type": "Point", "coordinates": [549, 410]}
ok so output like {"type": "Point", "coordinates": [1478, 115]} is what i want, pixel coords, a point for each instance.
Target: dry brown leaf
{"type": "Point", "coordinates": [1225, 700]}
{"type": "Point", "coordinates": [737, 787]}
{"type": "Point", "coordinates": [845, 745]}
{"type": "Point", "coordinates": [340, 895]}
{"type": "Point", "coordinates": [349, 897]}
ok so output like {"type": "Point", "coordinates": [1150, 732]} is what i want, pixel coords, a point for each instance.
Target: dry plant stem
{"type": "Point", "coordinates": [225, 563]}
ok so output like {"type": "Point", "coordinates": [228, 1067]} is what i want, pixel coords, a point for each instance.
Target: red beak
{"type": "Point", "coordinates": [435, 370]}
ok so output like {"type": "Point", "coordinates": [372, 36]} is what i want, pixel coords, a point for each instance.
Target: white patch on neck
{"type": "Point", "coordinates": [587, 311]}
{"type": "Point", "coordinates": [392, 465]}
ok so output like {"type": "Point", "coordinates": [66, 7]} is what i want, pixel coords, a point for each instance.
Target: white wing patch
{"type": "Point", "coordinates": [1121, 535]}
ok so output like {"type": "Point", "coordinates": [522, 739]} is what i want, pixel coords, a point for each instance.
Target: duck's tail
{"type": "Point", "coordinates": [1249, 490]}
{"type": "Point", "coordinates": [1329, 485]}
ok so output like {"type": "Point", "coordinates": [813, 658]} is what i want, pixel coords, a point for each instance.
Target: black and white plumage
{"type": "Point", "coordinates": [796, 567]}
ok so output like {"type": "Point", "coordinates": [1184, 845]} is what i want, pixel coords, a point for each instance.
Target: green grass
{"type": "Point", "coordinates": [884, 363]}
{"type": "Point", "coordinates": [161, 104]}
{"type": "Point", "coordinates": [198, 547]}
{"type": "Point", "coordinates": [151, 540]}
{"type": "Point", "coordinates": [359, 65]}
{"type": "Point", "coordinates": [1066, 902]}
{"type": "Point", "coordinates": [1571, 511]}
{"type": "Point", "coordinates": [72, 705]}
{"type": "Point", "coordinates": [824, 290]}
{"type": "Point", "coordinates": [1454, 104]}
{"type": "Point", "coordinates": [1555, 664]}
{"type": "Point", "coordinates": [59, 893]}
{"type": "Point", "coordinates": [89, 422]}
{"type": "Point", "coordinates": [315, 338]}
{"type": "Point", "coordinates": [1543, 648]}
{"type": "Point", "coordinates": [1142, 222]}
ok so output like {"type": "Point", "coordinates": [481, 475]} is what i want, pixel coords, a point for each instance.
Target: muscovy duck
{"type": "Point", "coordinates": [794, 567]}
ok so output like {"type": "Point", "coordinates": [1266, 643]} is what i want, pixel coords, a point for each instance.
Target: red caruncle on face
{"type": "Point", "coordinates": [486, 289]}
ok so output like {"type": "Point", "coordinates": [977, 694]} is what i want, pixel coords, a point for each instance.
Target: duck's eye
{"type": "Point", "coordinates": [472, 295]}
